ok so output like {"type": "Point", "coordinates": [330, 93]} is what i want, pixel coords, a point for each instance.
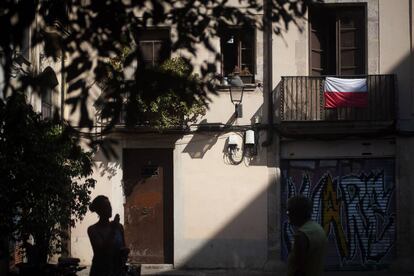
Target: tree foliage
{"type": "Point", "coordinates": [90, 32]}
{"type": "Point", "coordinates": [45, 184]}
{"type": "Point", "coordinates": [40, 163]}
{"type": "Point", "coordinates": [168, 110]}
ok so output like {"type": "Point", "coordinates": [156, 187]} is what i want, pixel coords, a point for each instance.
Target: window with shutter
{"type": "Point", "coordinates": [238, 53]}
{"type": "Point", "coordinates": [46, 103]}
{"type": "Point", "coordinates": [154, 45]}
{"type": "Point", "coordinates": [337, 40]}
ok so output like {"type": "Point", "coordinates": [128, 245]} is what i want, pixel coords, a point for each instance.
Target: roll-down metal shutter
{"type": "Point", "coordinates": [353, 200]}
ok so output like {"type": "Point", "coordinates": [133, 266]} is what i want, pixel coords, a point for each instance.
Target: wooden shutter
{"type": "Point", "coordinates": [317, 36]}
{"type": "Point", "coordinates": [247, 50]}
{"type": "Point", "coordinates": [155, 45]}
{"type": "Point", "coordinates": [337, 40]}
{"type": "Point", "coordinates": [238, 53]}
{"type": "Point", "coordinates": [350, 41]}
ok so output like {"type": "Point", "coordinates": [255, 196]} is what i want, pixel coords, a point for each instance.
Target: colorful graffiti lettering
{"type": "Point", "coordinates": [354, 203]}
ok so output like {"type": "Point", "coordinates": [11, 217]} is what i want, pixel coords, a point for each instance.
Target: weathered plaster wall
{"type": "Point", "coordinates": [313, 149]}
{"type": "Point", "coordinates": [220, 210]}
{"type": "Point", "coordinates": [395, 48]}
{"type": "Point", "coordinates": [221, 109]}
{"type": "Point", "coordinates": [290, 52]}
{"type": "Point", "coordinates": [108, 175]}
{"type": "Point", "coordinates": [396, 32]}
{"type": "Point", "coordinates": [291, 49]}
{"type": "Point", "coordinates": [389, 42]}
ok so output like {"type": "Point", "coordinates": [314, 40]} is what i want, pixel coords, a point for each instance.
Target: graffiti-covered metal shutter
{"type": "Point", "coordinates": [353, 200]}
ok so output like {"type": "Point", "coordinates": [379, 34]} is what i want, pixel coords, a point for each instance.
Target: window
{"type": "Point", "coordinates": [337, 40]}
{"type": "Point", "coordinates": [49, 81]}
{"type": "Point", "coordinates": [238, 53]}
{"type": "Point", "coordinates": [155, 46]}
{"type": "Point", "coordinates": [47, 103]}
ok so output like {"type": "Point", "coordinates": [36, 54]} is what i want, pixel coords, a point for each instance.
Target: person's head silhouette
{"type": "Point", "coordinates": [299, 210]}
{"type": "Point", "coordinates": [102, 207]}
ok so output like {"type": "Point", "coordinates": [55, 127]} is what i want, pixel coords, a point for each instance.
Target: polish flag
{"type": "Point", "coordinates": [345, 92]}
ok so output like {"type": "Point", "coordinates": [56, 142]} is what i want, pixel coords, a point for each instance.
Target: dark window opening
{"type": "Point", "coordinates": [154, 46]}
{"type": "Point", "coordinates": [238, 53]}
{"type": "Point", "coordinates": [47, 103]}
{"type": "Point", "coordinates": [337, 40]}
{"type": "Point", "coordinates": [49, 81]}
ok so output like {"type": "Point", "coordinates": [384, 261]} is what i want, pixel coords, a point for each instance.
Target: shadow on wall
{"type": "Point", "coordinates": [106, 169]}
{"type": "Point", "coordinates": [241, 243]}
{"type": "Point", "coordinates": [302, 99]}
{"type": "Point", "coordinates": [404, 89]}
{"type": "Point", "coordinates": [208, 134]}
{"type": "Point", "coordinates": [203, 141]}
{"type": "Point", "coordinates": [200, 143]}
{"type": "Point", "coordinates": [257, 117]}
{"type": "Point", "coordinates": [275, 98]}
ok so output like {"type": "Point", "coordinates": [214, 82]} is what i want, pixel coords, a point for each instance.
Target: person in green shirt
{"type": "Point", "coordinates": [309, 248]}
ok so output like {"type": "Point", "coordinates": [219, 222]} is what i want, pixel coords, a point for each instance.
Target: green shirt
{"type": "Point", "coordinates": [315, 254]}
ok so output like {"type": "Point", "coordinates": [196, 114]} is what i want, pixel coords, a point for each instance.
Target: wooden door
{"type": "Point", "coordinates": [350, 41]}
{"type": "Point", "coordinates": [337, 40]}
{"type": "Point", "coordinates": [148, 182]}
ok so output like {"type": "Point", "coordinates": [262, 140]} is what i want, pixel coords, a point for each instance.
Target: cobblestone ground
{"type": "Point", "coordinates": [171, 272]}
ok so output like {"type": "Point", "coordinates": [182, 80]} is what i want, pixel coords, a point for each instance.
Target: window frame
{"type": "Point", "coordinates": [336, 9]}
{"type": "Point", "coordinates": [149, 35]}
{"type": "Point", "coordinates": [238, 32]}
{"type": "Point", "coordinates": [46, 103]}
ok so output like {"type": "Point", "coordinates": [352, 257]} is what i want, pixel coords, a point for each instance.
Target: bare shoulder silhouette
{"type": "Point", "coordinates": [107, 240]}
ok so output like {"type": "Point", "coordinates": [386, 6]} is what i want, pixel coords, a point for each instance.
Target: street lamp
{"type": "Point", "coordinates": [236, 87]}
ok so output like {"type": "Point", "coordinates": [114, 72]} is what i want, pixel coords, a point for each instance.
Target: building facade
{"type": "Point", "coordinates": [206, 198]}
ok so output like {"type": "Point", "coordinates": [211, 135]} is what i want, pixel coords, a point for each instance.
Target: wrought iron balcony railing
{"type": "Point", "coordinates": [301, 99]}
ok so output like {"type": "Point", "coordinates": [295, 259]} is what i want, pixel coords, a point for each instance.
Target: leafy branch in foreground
{"type": "Point", "coordinates": [167, 109]}
{"type": "Point", "coordinates": [44, 178]}
{"type": "Point", "coordinates": [89, 32]}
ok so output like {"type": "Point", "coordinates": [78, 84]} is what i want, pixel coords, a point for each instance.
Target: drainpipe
{"type": "Point", "coordinates": [410, 14]}
{"type": "Point", "coordinates": [268, 72]}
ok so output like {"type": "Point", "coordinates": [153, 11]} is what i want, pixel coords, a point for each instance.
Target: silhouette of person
{"type": "Point", "coordinates": [308, 253]}
{"type": "Point", "coordinates": [107, 240]}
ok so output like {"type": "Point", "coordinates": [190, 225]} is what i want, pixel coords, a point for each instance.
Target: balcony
{"type": "Point", "coordinates": [300, 107]}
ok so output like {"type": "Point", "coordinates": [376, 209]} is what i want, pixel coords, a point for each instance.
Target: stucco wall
{"type": "Point", "coordinates": [395, 47]}
{"type": "Point", "coordinates": [389, 51]}
{"type": "Point", "coordinates": [396, 27]}
{"type": "Point", "coordinates": [108, 175]}
{"type": "Point", "coordinates": [227, 215]}
{"type": "Point", "coordinates": [291, 49]}
{"type": "Point", "coordinates": [220, 210]}
{"type": "Point", "coordinates": [290, 52]}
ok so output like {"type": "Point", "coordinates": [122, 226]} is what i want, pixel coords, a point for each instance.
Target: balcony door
{"type": "Point", "coordinates": [337, 40]}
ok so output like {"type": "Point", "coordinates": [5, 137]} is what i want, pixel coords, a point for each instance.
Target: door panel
{"type": "Point", "coordinates": [337, 40]}
{"type": "Point", "coordinates": [148, 209]}
{"type": "Point", "coordinates": [351, 41]}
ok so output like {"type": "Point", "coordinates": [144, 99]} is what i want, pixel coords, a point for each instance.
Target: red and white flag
{"type": "Point", "coordinates": [345, 92]}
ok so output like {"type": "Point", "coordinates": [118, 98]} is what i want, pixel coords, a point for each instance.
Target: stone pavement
{"type": "Point", "coordinates": [261, 273]}
{"type": "Point", "coordinates": [155, 270]}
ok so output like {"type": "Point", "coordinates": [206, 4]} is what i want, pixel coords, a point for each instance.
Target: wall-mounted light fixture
{"type": "Point", "coordinates": [250, 142]}
{"type": "Point", "coordinates": [238, 149]}
{"type": "Point", "coordinates": [236, 87]}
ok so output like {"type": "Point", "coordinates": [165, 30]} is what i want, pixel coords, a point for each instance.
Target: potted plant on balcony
{"type": "Point", "coordinates": [244, 74]}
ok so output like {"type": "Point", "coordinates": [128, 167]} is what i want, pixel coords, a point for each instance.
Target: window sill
{"type": "Point", "coordinates": [249, 87]}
